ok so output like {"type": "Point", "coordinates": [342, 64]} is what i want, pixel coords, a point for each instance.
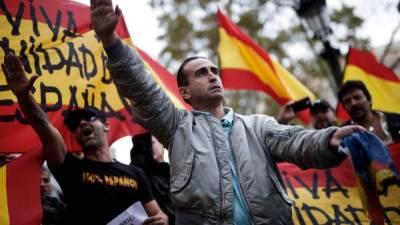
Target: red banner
{"type": "Point", "coordinates": [331, 197]}
{"type": "Point", "coordinates": [54, 40]}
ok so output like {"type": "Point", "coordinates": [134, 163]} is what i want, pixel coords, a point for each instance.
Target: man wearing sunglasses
{"type": "Point", "coordinates": [97, 189]}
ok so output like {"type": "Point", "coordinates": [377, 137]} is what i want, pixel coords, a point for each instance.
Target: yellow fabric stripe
{"type": "Point", "coordinates": [385, 94]}
{"type": "Point", "coordinates": [4, 215]}
{"type": "Point", "coordinates": [59, 79]}
{"type": "Point", "coordinates": [295, 89]}
{"type": "Point", "coordinates": [338, 199]}
{"type": "Point", "coordinates": [236, 54]}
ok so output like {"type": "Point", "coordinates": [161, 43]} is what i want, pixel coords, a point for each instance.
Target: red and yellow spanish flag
{"type": "Point", "coordinates": [331, 196]}
{"type": "Point", "coordinates": [55, 41]}
{"type": "Point", "coordinates": [382, 82]}
{"type": "Point", "coordinates": [245, 65]}
{"type": "Point", "coordinates": [20, 201]}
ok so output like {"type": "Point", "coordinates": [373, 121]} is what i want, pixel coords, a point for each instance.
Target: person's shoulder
{"type": "Point", "coordinates": [70, 158]}
{"type": "Point", "coordinates": [130, 168]}
{"type": "Point", "coordinates": [137, 170]}
{"type": "Point", "coordinates": [254, 117]}
{"type": "Point", "coordinates": [391, 116]}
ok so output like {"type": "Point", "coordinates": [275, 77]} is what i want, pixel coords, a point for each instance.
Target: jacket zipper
{"type": "Point", "coordinates": [221, 199]}
{"type": "Point", "coordinates": [238, 175]}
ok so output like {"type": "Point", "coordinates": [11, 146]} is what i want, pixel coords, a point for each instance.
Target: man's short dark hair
{"type": "Point", "coordinates": [351, 86]}
{"type": "Point", "coordinates": [320, 105]}
{"type": "Point", "coordinates": [181, 76]}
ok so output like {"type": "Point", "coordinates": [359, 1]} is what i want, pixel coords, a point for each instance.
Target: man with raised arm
{"type": "Point", "coordinates": [96, 188]}
{"type": "Point", "coordinates": [223, 164]}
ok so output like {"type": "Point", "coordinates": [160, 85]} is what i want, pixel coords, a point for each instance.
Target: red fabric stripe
{"type": "Point", "coordinates": [225, 23]}
{"type": "Point", "coordinates": [343, 173]}
{"type": "Point", "coordinates": [23, 189]}
{"type": "Point", "coordinates": [23, 138]}
{"type": "Point", "coordinates": [367, 62]}
{"type": "Point", "coordinates": [246, 80]}
{"type": "Point", "coordinates": [238, 79]}
{"type": "Point", "coordinates": [81, 13]}
{"type": "Point", "coordinates": [341, 113]}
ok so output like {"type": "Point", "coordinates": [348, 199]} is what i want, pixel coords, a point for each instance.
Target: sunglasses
{"type": "Point", "coordinates": [73, 125]}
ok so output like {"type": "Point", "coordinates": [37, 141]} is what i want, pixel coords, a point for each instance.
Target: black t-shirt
{"type": "Point", "coordinates": [97, 192]}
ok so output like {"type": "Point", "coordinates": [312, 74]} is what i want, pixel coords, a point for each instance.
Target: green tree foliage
{"type": "Point", "coordinates": [190, 28]}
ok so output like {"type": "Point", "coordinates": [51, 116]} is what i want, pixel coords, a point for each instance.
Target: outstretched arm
{"type": "Point", "coordinates": [152, 108]}
{"type": "Point", "coordinates": [303, 147]}
{"type": "Point", "coordinates": [52, 142]}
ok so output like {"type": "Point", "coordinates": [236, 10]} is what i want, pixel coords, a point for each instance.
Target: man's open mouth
{"type": "Point", "coordinates": [87, 131]}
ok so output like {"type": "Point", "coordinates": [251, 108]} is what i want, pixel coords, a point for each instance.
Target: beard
{"type": "Point", "coordinates": [91, 145]}
{"type": "Point", "coordinates": [358, 114]}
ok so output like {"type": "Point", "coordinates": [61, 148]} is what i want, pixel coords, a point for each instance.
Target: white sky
{"type": "Point", "coordinates": [379, 20]}
{"type": "Point", "coordinates": [143, 26]}
{"type": "Point", "coordinates": [144, 29]}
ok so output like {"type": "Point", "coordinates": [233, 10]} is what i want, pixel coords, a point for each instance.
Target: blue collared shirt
{"type": "Point", "coordinates": [241, 215]}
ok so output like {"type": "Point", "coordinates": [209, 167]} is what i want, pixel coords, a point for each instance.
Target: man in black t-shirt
{"type": "Point", "coordinates": [96, 189]}
{"type": "Point", "coordinates": [91, 187]}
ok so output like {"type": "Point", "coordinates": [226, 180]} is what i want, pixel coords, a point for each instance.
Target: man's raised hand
{"type": "Point", "coordinates": [15, 76]}
{"type": "Point", "coordinates": [104, 20]}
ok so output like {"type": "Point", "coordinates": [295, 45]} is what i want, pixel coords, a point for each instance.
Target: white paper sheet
{"type": "Point", "coordinates": [134, 215]}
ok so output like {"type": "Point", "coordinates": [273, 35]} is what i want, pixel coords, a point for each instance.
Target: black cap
{"type": "Point", "coordinates": [73, 118]}
{"type": "Point", "coordinates": [320, 105]}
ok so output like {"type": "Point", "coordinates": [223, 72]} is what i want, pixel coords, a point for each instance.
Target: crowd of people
{"type": "Point", "coordinates": [222, 164]}
{"type": "Point", "coordinates": [357, 102]}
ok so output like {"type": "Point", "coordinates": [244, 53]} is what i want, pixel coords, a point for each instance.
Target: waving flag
{"type": "Point", "coordinates": [245, 65]}
{"type": "Point", "coordinates": [382, 83]}
{"type": "Point", "coordinates": [374, 169]}
{"type": "Point", "coordinates": [20, 190]}
{"type": "Point", "coordinates": [55, 41]}
{"type": "Point", "coordinates": [331, 196]}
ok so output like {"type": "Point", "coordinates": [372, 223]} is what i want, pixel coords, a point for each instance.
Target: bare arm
{"type": "Point", "coordinates": [286, 114]}
{"type": "Point", "coordinates": [156, 216]}
{"type": "Point", "coordinates": [52, 142]}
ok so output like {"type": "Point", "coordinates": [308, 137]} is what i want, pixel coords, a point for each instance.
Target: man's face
{"type": "Point", "coordinates": [323, 119]}
{"type": "Point", "coordinates": [204, 83]}
{"type": "Point", "coordinates": [356, 104]}
{"type": "Point", "coordinates": [45, 185]}
{"type": "Point", "coordinates": [91, 134]}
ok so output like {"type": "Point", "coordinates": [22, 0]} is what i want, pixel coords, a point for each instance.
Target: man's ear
{"type": "Point", "coordinates": [106, 126]}
{"type": "Point", "coordinates": [184, 91]}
